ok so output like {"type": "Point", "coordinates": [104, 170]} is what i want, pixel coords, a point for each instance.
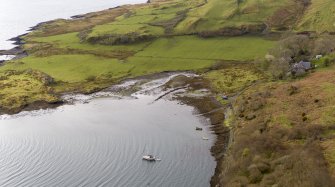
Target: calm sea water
{"type": "Point", "coordinates": [101, 143]}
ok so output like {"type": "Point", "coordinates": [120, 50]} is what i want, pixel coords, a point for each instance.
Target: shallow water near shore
{"type": "Point", "coordinates": [100, 142]}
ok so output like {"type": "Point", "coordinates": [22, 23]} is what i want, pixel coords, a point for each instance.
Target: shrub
{"type": "Point", "coordinates": [326, 62]}
{"type": "Point", "coordinates": [279, 68]}
{"type": "Point", "coordinates": [91, 78]}
{"type": "Point", "coordinates": [324, 45]}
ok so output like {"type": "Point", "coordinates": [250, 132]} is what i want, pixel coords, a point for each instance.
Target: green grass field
{"type": "Point", "coordinates": [72, 41]}
{"type": "Point", "coordinates": [220, 48]}
{"type": "Point", "coordinates": [79, 68]}
{"type": "Point", "coordinates": [72, 68]}
{"type": "Point", "coordinates": [165, 54]}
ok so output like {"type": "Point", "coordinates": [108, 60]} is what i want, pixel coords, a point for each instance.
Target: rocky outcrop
{"type": "Point", "coordinates": [13, 51]}
{"type": "Point", "coordinates": [118, 39]}
{"type": "Point", "coordinates": [235, 31]}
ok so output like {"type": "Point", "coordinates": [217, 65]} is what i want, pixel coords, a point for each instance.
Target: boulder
{"type": "Point", "coordinates": [263, 167]}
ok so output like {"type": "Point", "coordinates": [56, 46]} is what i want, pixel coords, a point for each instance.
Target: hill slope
{"type": "Point", "coordinates": [319, 17]}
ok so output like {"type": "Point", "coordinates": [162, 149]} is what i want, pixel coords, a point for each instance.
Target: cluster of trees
{"type": "Point", "coordinates": [295, 48]}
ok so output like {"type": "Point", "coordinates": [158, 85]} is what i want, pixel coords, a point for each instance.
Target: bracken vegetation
{"type": "Point", "coordinates": [284, 134]}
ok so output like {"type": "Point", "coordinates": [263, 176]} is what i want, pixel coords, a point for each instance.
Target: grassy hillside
{"type": "Point", "coordinates": [218, 14]}
{"type": "Point", "coordinates": [133, 40]}
{"type": "Point", "coordinates": [167, 35]}
{"type": "Point", "coordinates": [319, 17]}
{"type": "Point", "coordinates": [284, 134]}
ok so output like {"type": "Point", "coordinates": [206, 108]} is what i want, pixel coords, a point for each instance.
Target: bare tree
{"type": "Point", "coordinates": [325, 44]}
{"type": "Point", "coordinates": [291, 49]}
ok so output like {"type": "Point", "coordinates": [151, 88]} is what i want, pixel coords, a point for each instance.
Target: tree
{"type": "Point", "coordinates": [291, 49]}
{"type": "Point", "coordinates": [279, 68]}
{"type": "Point", "coordinates": [325, 44]}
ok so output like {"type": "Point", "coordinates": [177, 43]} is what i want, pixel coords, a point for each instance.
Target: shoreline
{"type": "Point", "coordinates": [18, 42]}
{"type": "Point", "coordinates": [177, 127]}
{"type": "Point", "coordinates": [203, 105]}
{"type": "Point", "coordinates": [207, 106]}
{"type": "Point", "coordinates": [222, 133]}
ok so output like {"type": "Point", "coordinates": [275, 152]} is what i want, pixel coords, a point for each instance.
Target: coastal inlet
{"type": "Point", "coordinates": [99, 140]}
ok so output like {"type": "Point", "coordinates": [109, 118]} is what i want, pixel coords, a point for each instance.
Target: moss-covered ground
{"type": "Point", "coordinates": [232, 80]}
{"type": "Point", "coordinates": [18, 89]}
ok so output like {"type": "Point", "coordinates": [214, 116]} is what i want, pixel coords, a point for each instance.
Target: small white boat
{"type": "Point", "coordinates": [149, 158]}
{"type": "Point", "coordinates": [205, 138]}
